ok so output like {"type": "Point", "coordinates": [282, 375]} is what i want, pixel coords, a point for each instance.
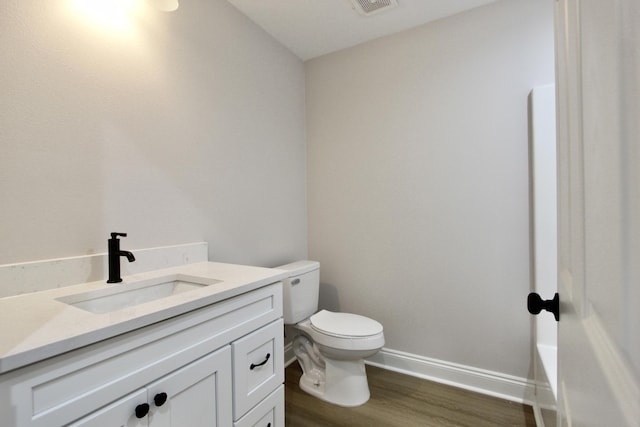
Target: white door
{"type": "Point", "coordinates": [598, 100]}
{"type": "Point", "coordinates": [543, 148]}
{"type": "Point", "coordinates": [198, 394]}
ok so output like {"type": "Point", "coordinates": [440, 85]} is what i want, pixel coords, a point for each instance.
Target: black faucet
{"type": "Point", "coordinates": [114, 257]}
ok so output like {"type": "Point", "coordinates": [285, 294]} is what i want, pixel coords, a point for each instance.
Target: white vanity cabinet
{"type": "Point", "coordinates": [220, 365]}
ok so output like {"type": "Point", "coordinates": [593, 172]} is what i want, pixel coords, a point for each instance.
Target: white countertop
{"type": "Point", "coordinates": [37, 326]}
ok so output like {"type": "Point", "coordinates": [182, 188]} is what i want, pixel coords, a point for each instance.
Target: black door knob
{"type": "Point", "coordinates": [535, 305]}
{"type": "Point", "coordinates": [160, 398]}
{"type": "Point", "coordinates": [142, 410]}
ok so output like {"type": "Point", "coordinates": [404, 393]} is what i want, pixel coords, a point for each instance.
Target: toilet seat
{"type": "Point", "coordinates": [344, 325]}
{"type": "Point", "coordinates": [341, 342]}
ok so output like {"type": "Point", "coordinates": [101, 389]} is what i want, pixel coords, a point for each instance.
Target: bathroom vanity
{"type": "Point", "coordinates": [208, 356]}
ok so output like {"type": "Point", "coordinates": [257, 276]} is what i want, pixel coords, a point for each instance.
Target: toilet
{"type": "Point", "coordinates": [330, 347]}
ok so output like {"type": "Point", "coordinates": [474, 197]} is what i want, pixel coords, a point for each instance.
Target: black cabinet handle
{"type": "Point", "coordinates": [160, 399]}
{"type": "Point", "coordinates": [535, 305]}
{"type": "Point", "coordinates": [266, 359]}
{"type": "Point", "coordinates": [142, 410]}
{"type": "Point", "coordinates": [269, 425]}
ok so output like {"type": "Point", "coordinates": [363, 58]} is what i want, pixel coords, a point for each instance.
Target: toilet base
{"type": "Point", "coordinates": [343, 382]}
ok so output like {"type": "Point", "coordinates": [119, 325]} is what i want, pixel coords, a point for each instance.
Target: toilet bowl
{"type": "Point", "coordinates": [330, 347]}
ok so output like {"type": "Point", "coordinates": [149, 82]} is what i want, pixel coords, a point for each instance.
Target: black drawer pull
{"type": "Point", "coordinates": [142, 410]}
{"type": "Point", "coordinates": [269, 425]}
{"type": "Point", "coordinates": [266, 359]}
{"type": "Point", "coordinates": [160, 398]}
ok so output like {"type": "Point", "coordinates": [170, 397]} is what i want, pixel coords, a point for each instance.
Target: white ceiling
{"type": "Point", "coordinates": [311, 28]}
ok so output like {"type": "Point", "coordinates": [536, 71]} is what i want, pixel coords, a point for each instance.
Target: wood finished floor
{"type": "Point", "coordinates": [401, 400]}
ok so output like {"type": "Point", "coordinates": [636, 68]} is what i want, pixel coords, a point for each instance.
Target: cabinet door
{"type": "Point", "coordinates": [198, 394]}
{"type": "Point", "coordinates": [121, 413]}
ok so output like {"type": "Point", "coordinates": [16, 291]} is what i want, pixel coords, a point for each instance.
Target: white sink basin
{"type": "Point", "coordinates": [131, 294]}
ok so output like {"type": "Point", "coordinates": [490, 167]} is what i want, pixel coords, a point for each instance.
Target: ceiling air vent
{"type": "Point", "coordinates": [370, 7]}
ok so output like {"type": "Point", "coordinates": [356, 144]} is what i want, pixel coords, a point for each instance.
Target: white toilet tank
{"type": "Point", "coordinates": [300, 290]}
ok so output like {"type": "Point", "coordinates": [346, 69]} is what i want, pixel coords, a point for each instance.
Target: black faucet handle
{"type": "Point", "coordinates": [115, 235]}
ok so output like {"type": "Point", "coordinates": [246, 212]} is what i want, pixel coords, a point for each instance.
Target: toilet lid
{"type": "Point", "coordinates": [345, 324]}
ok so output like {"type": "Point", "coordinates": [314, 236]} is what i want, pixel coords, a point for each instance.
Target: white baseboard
{"type": "Point", "coordinates": [482, 381]}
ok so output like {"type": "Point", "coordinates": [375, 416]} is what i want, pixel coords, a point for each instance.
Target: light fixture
{"type": "Point", "coordinates": [370, 7]}
{"type": "Point", "coordinates": [166, 5]}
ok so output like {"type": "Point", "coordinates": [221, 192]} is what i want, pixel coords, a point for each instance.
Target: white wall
{"type": "Point", "coordinates": [418, 182]}
{"type": "Point", "coordinates": [173, 127]}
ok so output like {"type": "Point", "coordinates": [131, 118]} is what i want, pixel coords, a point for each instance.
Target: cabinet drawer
{"type": "Point", "coordinates": [119, 413]}
{"type": "Point", "coordinates": [258, 366]}
{"type": "Point", "coordinates": [268, 413]}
